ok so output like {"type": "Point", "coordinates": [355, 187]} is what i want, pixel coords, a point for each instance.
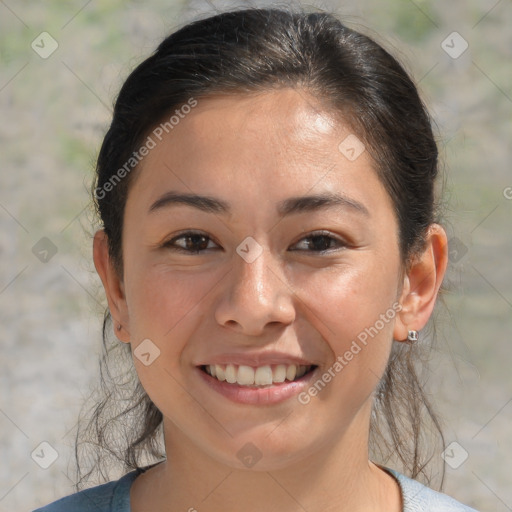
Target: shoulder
{"type": "Point", "coordinates": [419, 498]}
{"type": "Point", "coordinates": [103, 498]}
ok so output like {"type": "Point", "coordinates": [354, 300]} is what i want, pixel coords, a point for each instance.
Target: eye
{"type": "Point", "coordinates": [321, 241]}
{"type": "Point", "coordinates": [195, 242]}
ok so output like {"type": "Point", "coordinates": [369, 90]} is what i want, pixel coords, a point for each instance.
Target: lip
{"type": "Point", "coordinates": [270, 395]}
{"type": "Point", "coordinates": [256, 359]}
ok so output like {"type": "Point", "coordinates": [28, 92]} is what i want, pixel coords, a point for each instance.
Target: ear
{"type": "Point", "coordinates": [421, 284]}
{"type": "Point", "coordinates": [112, 284]}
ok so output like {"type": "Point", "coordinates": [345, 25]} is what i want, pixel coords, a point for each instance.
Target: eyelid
{"type": "Point", "coordinates": [168, 244]}
{"type": "Point", "coordinates": [323, 232]}
{"type": "Point", "coordinates": [320, 232]}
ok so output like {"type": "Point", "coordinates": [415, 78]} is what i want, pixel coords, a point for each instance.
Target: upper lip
{"type": "Point", "coordinates": [256, 359]}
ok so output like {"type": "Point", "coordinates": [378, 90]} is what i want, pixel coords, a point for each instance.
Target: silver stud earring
{"type": "Point", "coordinates": [118, 327]}
{"type": "Point", "coordinates": [412, 336]}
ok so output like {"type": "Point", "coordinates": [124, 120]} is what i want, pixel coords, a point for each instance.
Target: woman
{"type": "Point", "coordinates": [270, 250]}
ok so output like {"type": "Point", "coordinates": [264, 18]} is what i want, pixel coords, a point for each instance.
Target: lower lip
{"type": "Point", "coordinates": [258, 396]}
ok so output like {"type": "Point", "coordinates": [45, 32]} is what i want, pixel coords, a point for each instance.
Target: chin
{"type": "Point", "coordinates": [264, 452]}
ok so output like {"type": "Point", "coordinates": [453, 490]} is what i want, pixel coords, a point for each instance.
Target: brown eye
{"type": "Point", "coordinates": [190, 242]}
{"type": "Point", "coordinates": [322, 242]}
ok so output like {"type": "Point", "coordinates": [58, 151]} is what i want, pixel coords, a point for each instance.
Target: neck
{"type": "Point", "coordinates": [335, 478]}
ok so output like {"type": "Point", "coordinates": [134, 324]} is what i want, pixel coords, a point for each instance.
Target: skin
{"type": "Point", "coordinates": [254, 151]}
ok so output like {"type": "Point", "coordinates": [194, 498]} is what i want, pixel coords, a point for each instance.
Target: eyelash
{"type": "Point", "coordinates": [316, 234]}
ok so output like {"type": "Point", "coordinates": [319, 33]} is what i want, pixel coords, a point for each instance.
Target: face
{"type": "Point", "coordinates": [260, 281]}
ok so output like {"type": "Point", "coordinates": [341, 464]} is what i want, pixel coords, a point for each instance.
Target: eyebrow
{"type": "Point", "coordinates": [292, 205]}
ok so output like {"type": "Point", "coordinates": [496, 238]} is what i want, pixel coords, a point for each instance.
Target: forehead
{"type": "Point", "coordinates": [280, 142]}
{"type": "Point", "coordinates": [296, 110]}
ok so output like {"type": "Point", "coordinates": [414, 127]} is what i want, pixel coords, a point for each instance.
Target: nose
{"type": "Point", "coordinates": [255, 296]}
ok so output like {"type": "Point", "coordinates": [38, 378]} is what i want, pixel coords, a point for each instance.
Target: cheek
{"type": "Point", "coordinates": [355, 312]}
{"type": "Point", "coordinates": [167, 305]}
{"type": "Point", "coordinates": [348, 302]}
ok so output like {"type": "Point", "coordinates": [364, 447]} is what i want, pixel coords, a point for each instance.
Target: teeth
{"type": "Point", "coordinates": [245, 376]}
{"type": "Point", "coordinates": [291, 372]}
{"type": "Point", "coordinates": [230, 373]}
{"type": "Point", "coordinates": [219, 372]}
{"type": "Point", "coordinates": [262, 376]}
{"type": "Point", "coordinates": [301, 370]}
{"type": "Point", "coordinates": [279, 373]}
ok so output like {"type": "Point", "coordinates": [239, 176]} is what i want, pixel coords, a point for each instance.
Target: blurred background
{"type": "Point", "coordinates": [62, 64]}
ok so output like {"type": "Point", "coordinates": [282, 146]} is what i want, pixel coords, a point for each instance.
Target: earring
{"type": "Point", "coordinates": [118, 327]}
{"type": "Point", "coordinates": [412, 336]}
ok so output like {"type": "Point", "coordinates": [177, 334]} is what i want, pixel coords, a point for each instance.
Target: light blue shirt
{"type": "Point", "coordinates": [115, 497]}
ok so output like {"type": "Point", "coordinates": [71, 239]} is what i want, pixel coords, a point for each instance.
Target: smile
{"type": "Point", "coordinates": [267, 375]}
{"type": "Point", "coordinates": [261, 385]}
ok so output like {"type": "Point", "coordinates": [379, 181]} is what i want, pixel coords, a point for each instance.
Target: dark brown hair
{"type": "Point", "coordinates": [254, 50]}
